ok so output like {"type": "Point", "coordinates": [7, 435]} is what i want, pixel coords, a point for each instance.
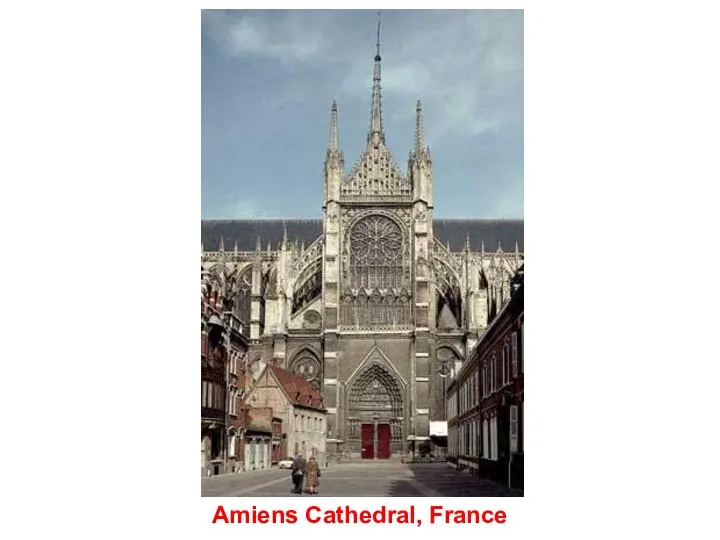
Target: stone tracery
{"type": "Point", "coordinates": [309, 287]}
{"type": "Point", "coordinates": [375, 293]}
{"type": "Point", "coordinates": [377, 392]}
{"type": "Point", "coordinates": [375, 395]}
{"type": "Point", "coordinates": [307, 365]}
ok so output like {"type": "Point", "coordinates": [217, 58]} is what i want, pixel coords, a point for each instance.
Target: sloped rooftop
{"type": "Point", "coordinates": [245, 232]}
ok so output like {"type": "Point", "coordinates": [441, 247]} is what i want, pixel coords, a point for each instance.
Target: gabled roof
{"type": "Point", "coordinates": [298, 391]}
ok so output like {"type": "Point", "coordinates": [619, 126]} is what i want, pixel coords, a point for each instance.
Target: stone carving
{"type": "Point", "coordinates": [375, 176]}
{"type": "Point", "coordinates": [441, 253]}
{"type": "Point", "coordinates": [375, 392]}
{"type": "Point", "coordinates": [310, 288]}
{"type": "Point", "coordinates": [376, 274]}
{"type": "Point", "coordinates": [308, 367]}
{"type": "Point", "coordinates": [308, 256]}
{"type": "Point", "coordinates": [421, 217]}
{"type": "Point", "coordinates": [311, 319]}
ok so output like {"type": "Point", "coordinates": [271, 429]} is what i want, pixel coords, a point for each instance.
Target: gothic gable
{"type": "Point", "coordinates": [375, 174]}
{"type": "Point", "coordinates": [377, 358]}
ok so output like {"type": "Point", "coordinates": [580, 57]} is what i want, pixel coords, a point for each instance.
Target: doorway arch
{"type": "Point", "coordinates": [375, 413]}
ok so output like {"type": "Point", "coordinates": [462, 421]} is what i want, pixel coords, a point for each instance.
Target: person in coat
{"type": "Point", "coordinates": [312, 473]}
{"type": "Point", "coordinates": [298, 473]}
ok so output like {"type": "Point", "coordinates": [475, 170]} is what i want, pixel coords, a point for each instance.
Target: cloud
{"type": "Point", "coordinates": [278, 71]}
{"type": "Point", "coordinates": [465, 77]}
{"type": "Point", "coordinates": [283, 37]}
{"type": "Point", "coordinates": [245, 208]}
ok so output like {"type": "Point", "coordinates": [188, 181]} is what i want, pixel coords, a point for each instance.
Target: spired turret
{"type": "Point", "coordinates": [376, 176]}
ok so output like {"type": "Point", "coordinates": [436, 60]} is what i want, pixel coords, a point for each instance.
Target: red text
{"type": "Point", "coordinates": [439, 514]}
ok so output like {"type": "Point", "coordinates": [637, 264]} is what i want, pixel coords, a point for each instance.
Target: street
{"type": "Point", "coordinates": [363, 479]}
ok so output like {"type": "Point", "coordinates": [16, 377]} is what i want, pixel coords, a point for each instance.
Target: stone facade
{"type": "Point", "coordinates": [368, 303]}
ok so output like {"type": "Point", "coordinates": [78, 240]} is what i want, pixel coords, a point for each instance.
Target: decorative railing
{"type": "Point", "coordinates": [238, 256]}
{"type": "Point", "coordinates": [377, 328]}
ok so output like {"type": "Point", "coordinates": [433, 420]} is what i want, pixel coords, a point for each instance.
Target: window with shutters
{"type": "Point", "coordinates": [513, 428]}
{"type": "Point", "coordinates": [493, 374]}
{"type": "Point", "coordinates": [493, 438]}
{"type": "Point", "coordinates": [506, 364]}
{"type": "Point", "coordinates": [514, 340]}
{"type": "Point", "coordinates": [485, 440]}
{"type": "Point", "coordinates": [484, 380]}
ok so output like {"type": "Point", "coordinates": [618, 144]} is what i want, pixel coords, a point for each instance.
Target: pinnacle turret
{"type": "Point", "coordinates": [419, 130]}
{"type": "Point", "coordinates": [334, 143]}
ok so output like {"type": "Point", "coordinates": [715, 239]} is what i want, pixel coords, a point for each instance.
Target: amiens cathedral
{"type": "Point", "coordinates": [376, 302]}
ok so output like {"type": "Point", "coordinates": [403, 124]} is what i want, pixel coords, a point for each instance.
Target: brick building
{"type": "Point", "coordinates": [297, 404]}
{"type": "Point", "coordinates": [223, 350]}
{"type": "Point", "coordinates": [485, 399]}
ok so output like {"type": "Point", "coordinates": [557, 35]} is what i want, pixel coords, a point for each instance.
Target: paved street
{"type": "Point", "coordinates": [365, 479]}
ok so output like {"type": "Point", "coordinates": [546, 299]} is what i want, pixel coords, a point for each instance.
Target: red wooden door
{"type": "Point", "coordinates": [383, 441]}
{"type": "Point", "coordinates": [368, 434]}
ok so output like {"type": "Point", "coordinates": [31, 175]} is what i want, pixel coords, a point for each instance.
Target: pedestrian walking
{"type": "Point", "coordinates": [312, 473]}
{"type": "Point", "coordinates": [298, 473]}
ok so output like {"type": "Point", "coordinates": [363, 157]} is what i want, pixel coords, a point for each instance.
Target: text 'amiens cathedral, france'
{"type": "Point", "coordinates": [377, 300]}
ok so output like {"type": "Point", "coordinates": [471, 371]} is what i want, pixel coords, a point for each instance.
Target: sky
{"type": "Point", "coordinates": [269, 79]}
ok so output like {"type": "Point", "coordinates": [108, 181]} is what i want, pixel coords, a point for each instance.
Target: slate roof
{"type": "Point", "coordinates": [246, 232]}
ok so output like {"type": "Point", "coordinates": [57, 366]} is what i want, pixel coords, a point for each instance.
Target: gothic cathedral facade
{"type": "Point", "coordinates": [377, 302]}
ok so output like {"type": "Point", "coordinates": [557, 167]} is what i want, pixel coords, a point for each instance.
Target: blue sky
{"type": "Point", "coordinates": [269, 79]}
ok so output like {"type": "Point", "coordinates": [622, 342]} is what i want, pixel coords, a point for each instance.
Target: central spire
{"type": "Point", "coordinates": [376, 134]}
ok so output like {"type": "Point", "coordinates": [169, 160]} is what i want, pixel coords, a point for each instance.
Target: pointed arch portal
{"type": "Point", "coordinates": [375, 413]}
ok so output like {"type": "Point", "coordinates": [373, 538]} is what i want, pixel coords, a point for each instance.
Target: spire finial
{"type": "Point", "coordinates": [334, 128]}
{"type": "Point", "coordinates": [377, 54]}
{"type": "Point", "coordinates": [222, 244]}
{"type": "Point", "coordinates": [419, 130]}
{"type": "Point", "coordinates": [376, 130]}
